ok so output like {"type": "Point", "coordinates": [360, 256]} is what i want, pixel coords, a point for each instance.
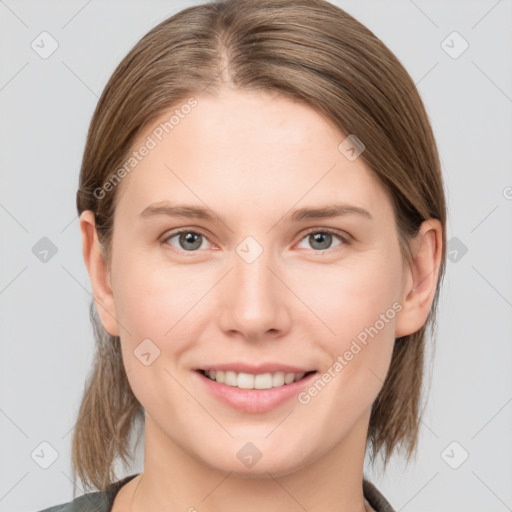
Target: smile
{"type": "Point", "coordinates": [266, 388]}
{"type": "Point", "coordinates": [244, 380]}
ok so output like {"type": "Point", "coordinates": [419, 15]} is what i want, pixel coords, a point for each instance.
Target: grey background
{"type": "Point", "coordinates": [46, 339]}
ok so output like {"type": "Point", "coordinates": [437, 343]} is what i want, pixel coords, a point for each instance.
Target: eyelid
{"type": "Point", "coordinates": [344, 237]}
{"type": "Point", "coordinates": [185, 229]}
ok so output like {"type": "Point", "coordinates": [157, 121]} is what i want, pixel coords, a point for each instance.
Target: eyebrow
{"type": "Point", "coordinates": [335, 210]}
{"type": "Point", "coordinates": [196, 212]}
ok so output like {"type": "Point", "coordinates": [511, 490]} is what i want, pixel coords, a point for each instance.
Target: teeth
{"type": "Point", "coordinates": [244, 381]}
{"type": "Point", "coordinates": [250, 381]}
{"type": "Point", "coordinates": [288, 378]}
{"type": "Point", "coordinates": [230, 379]}
{"type": "Point", "coordinates": [277, 379]}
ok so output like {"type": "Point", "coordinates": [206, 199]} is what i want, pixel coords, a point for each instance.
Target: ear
{"type": "Point", "coordinates": [420, 281]}
{"type": "Point", "coordinates": [99, 273]}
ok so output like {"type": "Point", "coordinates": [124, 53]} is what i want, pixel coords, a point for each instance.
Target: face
{"type": "Point", "coordinates": [225, 264]}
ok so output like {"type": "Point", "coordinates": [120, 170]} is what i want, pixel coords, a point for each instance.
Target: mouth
{"type": "Point", "coordinates": [256, 389]}
{"type": "Point", "coordinates": [243, 380]}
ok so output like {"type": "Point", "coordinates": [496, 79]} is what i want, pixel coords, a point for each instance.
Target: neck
{"type": "Point", "coordinates": [174, 480]}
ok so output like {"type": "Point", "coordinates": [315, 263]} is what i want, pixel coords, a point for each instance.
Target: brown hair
{"type": "Point", "coordinates": [307, 50]}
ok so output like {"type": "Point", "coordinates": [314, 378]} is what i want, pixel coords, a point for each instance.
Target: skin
{"type": "Point", "coordinates": [253, 158]}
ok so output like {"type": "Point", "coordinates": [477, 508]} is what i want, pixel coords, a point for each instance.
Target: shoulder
{"type": "Point", "coordinates": [101, 501]}
{"type": "Point", "coordinates": [375, 498]}
{"type": "Point", "coordinates": [98, 501]}
{"type": "Point", "coordinates": [91, 502]}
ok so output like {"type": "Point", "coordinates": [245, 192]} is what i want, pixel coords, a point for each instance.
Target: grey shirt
{"type": "Point", "coordinates": [102, 501]}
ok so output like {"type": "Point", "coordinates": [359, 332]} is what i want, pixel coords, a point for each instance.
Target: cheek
{"type": "Point", "coordinates": [337, 302]}
{"type": "Point", "coordinates": [358, 305]}
{"type": "Point", "coordinates": [350, 298]}
{"type": "Point", "coordinates": [153, 297]}
{"type": "Point", "coordinates": [167, 304]}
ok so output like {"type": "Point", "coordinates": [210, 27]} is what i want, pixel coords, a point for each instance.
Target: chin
{"type": "Point", "coordinates": [269, 460]}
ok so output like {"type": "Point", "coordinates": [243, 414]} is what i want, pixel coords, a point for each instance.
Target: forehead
{"type": "Point", "coordinates": [246, 150]}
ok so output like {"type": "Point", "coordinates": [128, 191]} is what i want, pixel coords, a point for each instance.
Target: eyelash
{"type": "Point", "coordinates": [345, 239]}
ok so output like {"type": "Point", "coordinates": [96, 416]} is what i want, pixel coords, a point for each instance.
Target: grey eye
{"type": "Point", "coordinates": [187, 240]}
{"type": "Point", "coordinates": [321, 240]}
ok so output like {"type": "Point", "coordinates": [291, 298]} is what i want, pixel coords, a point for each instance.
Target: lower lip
{"type": "Point", "coordinates": [255, 400]}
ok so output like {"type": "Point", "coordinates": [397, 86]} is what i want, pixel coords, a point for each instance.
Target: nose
{"type": "Point", "coordinates": [254, 302]}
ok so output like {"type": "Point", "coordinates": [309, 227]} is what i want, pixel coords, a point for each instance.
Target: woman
{"type": "Point", "coordinates": [263, 223]}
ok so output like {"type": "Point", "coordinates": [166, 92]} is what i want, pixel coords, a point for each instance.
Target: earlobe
{"type": "Point", "coordinates": [99, 273]}
{"type": "Point", "coordinates": [421, 279]}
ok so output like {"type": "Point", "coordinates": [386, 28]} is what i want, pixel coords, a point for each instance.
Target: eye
{"type": "Point", "coordinates": [191, 241]}
{"type": "Point", "coordinates": [321, 239]}
{"type": "Point", "coordinates": [187, 240]}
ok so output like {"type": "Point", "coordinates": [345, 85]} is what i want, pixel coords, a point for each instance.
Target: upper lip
{"type": "Point", "coordinates": [255, 369]}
